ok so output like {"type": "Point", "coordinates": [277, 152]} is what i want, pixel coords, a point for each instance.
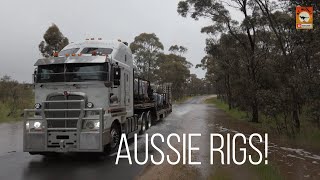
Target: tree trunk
{"type": "Point", "coordinates": [295, 112]}
{"type": "Point", "coordinates": [255, 114]}
{"type": "Point", "coordinates": [229, 95]}
{"type": "Point", "coordinates": [295, 118]}
{"type": "Point", "coordinates": [149, 69]}
{"type": "Point", "coordinates": [255, 110]}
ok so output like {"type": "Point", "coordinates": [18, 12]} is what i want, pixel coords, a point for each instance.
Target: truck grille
{"type": "Point", "coordinates": [66, 123]}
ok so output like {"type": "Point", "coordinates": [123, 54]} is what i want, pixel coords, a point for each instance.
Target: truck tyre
{"type": "Point", "coordinates": [149, 120]}
{"type": "Point", "coordinates": [115, 134]}
{"type": "Point", "coordinates": [143, 124]}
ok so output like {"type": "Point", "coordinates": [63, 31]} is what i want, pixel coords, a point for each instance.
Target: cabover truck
{"type": "Point", "coordinates": [86, 96]}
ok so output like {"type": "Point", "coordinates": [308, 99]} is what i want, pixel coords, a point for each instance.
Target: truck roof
{"type": "Point", "coordinates": [94, 43]}
{"type": "Point", "coordinates": [120, 52]}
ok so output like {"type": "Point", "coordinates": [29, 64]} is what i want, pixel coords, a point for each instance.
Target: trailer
{"type": "Point", "coordinates": [86, 96]}
{"type": "Point", "coordinates": [146, 102]}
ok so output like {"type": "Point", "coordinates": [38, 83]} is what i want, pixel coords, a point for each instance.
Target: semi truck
{"type": "Point", "coordinates": [86, 96]}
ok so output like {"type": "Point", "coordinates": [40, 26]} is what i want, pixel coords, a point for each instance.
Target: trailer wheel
{"type": "Point", "coordinates": [143, 124]}
{"type": "Point", "coordinates": [149, 120]}
{"type": "Point", "coordinates": [115, 137]}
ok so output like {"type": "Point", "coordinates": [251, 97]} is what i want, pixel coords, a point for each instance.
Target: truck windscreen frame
{"type": "Point", "coordinates": [75, 72]}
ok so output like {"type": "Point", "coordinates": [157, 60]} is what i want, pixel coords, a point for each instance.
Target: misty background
{"type": "Point", "coordinates": [23, 24]}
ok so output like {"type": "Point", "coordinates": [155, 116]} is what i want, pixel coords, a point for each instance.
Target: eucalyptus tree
{"type": "Point", "coordinates": [245, 33]}
{"type": "Point", "coordinates": [54, 41]}
{"type": "Point", "coordinates": [146, 49]}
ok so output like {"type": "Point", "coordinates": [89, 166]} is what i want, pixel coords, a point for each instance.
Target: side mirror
{"type": "Point", "coordinates": [35, 74]}
{"type": "Point", "coordinates": [116, 76]}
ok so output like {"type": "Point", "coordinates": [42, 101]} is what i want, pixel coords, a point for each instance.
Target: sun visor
{"type": "Point", "coordinates": [71, 59]}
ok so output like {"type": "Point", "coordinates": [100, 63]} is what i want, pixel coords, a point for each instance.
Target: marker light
{"type": "Point", "coordinates": [55, 54]}
{"type": "Point", "coordinates": [37, 106]}
{"type": "Point", "coordinates": [73, 54]}
{"type": "Point", "coordinates": [99, 38]}
{"type": "Point", "coordinates": [92, 38]}
{"type": "Point", "coordinates": [67, 55]}
{"type": "Point", "coordinates": [79, 54]}
{"type": "Point", "coordinates": [87, 39]}
{"type": "Point", "coordinates": [94, 53]}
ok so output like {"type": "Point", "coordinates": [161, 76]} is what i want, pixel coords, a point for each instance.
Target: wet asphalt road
{"type": "Point", "coordinates": [192, 116]}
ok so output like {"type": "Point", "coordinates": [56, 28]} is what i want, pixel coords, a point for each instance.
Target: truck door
{"type": "Point", "coordinates": [123, 88]}
{"type": "Point", "coordinates": [126, 85]}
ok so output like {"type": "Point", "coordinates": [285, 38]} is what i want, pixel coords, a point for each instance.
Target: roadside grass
{"type": "Point", "coordinates": [240, 115]}
{"type": "Point", "coordinates": [246, 171]}
{"type": "Point", "coordinates": [266, 172]}
{"type": "Point", "coordinates": [4, 111]}
{"type": "Point", "coordinates": [309, 136]}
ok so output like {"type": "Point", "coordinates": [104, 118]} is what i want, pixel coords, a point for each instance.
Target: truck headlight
{"type": "Point", "coordinates": [34, 125]}
{"type": "Point", "coordinates": [92, 124]}
{"type": "Point", "coordinates": [97, 125]}
{"type": "Point", "coordinates": [37, 125]}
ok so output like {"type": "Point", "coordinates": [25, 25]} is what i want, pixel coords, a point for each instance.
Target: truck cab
{"type": "Point", "coordinates": [84, 100]}
{"type": "Point", "coordinates": [79, 95]}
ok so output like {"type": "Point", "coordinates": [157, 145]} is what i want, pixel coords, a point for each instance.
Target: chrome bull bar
{"type": "Point", "coordinates": [31, 137]}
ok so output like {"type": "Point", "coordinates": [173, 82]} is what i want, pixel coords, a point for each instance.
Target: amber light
{"type": "Point", "coordinates": [55, 54]}
{"type": "Point", "coordinates": [80, 54]}
{"type": "Point", "coordinates": [73, 54]}
{"type": "Point", "coordinates": [67, 55]}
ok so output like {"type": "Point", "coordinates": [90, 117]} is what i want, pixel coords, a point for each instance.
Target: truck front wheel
{"type": "Point", "coordinates": [115, 137]}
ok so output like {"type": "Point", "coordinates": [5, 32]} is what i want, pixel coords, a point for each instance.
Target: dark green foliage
{"type": "Point", "coordinates": [178, 50]}
{"type": "Point", "coordinates": [262, 64]}
{"type": "Point", "coordinates": [161, 68]}
{"type": "Point", "coordinates": [54, 41]}
{"type": "Point", "coordinates": [146, 48]}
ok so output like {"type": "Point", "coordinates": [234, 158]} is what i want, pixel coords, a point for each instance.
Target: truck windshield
{"type": "Point", "coordinates": [102, 51]}
{"type": "Point", "coordinates": [77, 72]}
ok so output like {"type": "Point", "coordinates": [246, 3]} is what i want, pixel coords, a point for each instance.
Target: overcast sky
{"type": "Point", "coordinates": [23, 24]}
